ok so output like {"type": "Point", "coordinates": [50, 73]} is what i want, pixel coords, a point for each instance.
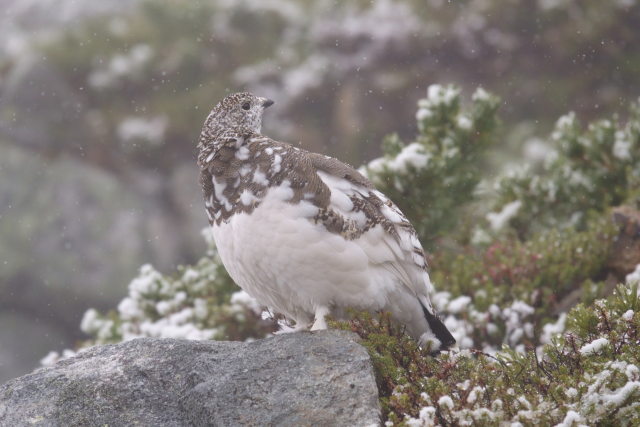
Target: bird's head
{"type": "Point", "coordinates": [240, 111]}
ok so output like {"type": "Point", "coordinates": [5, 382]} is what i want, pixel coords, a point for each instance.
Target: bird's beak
{"type": "Point", "coordinates": [267, 103]}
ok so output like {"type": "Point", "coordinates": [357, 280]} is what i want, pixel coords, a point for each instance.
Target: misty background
{"type": "Point", "coordinates": [101, 104]}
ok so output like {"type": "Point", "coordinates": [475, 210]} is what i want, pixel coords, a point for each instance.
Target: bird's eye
{"type": "Point", "coordinates": [246, 106]}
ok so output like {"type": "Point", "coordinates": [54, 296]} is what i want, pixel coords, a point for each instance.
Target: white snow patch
{"type": "Point", "coordinates": [633, 277]}
{"type": "Point", "coordinates": [498, 220]}
{"type": "Point", "coordinates": [551, 330]}
{"type": "Point", "coordinates": [622, 146]}
{"type": "Point", "coordinates": [151, 130]}
{"type": "Point", "coordinates": [429, 340]}
{"type": "Point", "coordinates": [464, 122]}
{"type": "Point", "coordinates": [129, 309]}
{"type": "Point", "coordinates": [594, 346]}
{"type": "Point", "coordinates": [564, 125]}
{"type": "Point", "coordinates": [241, 299]}
{"type": "Point", "coordinates": [571, 419]}
{"type": "Point", "coordinates": [53, 356]}
{"type": "Point", "coordinates": [426, 417]}
{"type": "Point", "coordinates": [200, 309]}
{"type": "Point", "coordinates": [445, 402]}
{"type": "Point", "coordinates": [437, 97]}
{"type": "Point", "coordinates": [459, 304]}
{"type": "Point", "coordinates": [437, 94]}
{"type": "Point", "coordinates": [121, 66]}
{"type": "Point", "coordinates": [480, 95]}
{"type": "Point", "coordinates": [571, 392]}
{"type": "Point", "coordinates": [147, 282]}
{"type": "Point", "coordinates": [537, 150]}
{"type": "Point", "coordinates": [413, 155]}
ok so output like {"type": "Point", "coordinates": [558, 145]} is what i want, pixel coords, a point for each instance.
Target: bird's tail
{"type": "Point", "coordinates": [438, 328]}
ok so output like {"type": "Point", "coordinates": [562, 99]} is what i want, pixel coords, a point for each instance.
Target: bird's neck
{"type": "Point", "coordinates": [220, 145]}
{"type": "Point", "coordinates": [235, 174]}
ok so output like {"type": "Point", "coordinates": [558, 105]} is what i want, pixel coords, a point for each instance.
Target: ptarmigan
{"type": "Point", "coordinates": [306, 234]}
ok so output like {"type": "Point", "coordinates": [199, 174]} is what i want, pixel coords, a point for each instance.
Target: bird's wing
{"type": "Point", "coordinates": [369, 217]}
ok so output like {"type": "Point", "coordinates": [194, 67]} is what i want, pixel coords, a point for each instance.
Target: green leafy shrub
{"type": "Point", "coordinates": [589, 170]}
{"type": "Point", "coordinates": [507, 293]}
{"type": "Point", "coordinates": [588, 375]}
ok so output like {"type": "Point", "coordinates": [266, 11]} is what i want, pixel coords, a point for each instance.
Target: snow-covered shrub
{"type": "Point", "coordinates": [513, 289]}
{"type": "Point", "coordinates": [433, 178]}
{"type": "Point", "coordinates": [589, 170]}
{"type": "Point", "coordinates": [199, 302]}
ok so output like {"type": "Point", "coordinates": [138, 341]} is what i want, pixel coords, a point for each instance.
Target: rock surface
{"type": "Point", "coordinates": [625, 253]}
{"type": "Point", "coordinates": [318, 378]}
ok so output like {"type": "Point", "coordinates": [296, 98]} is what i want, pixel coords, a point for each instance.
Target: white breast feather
{"type": "Point", "coordinates": [287, 261]}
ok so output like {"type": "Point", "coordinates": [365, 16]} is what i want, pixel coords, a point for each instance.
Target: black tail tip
{"type": "Point", "coordinates": [439, 329]}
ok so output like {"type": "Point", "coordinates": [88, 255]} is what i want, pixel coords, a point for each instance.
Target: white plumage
{"type": "Point", "coordinates": [307, 235]}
